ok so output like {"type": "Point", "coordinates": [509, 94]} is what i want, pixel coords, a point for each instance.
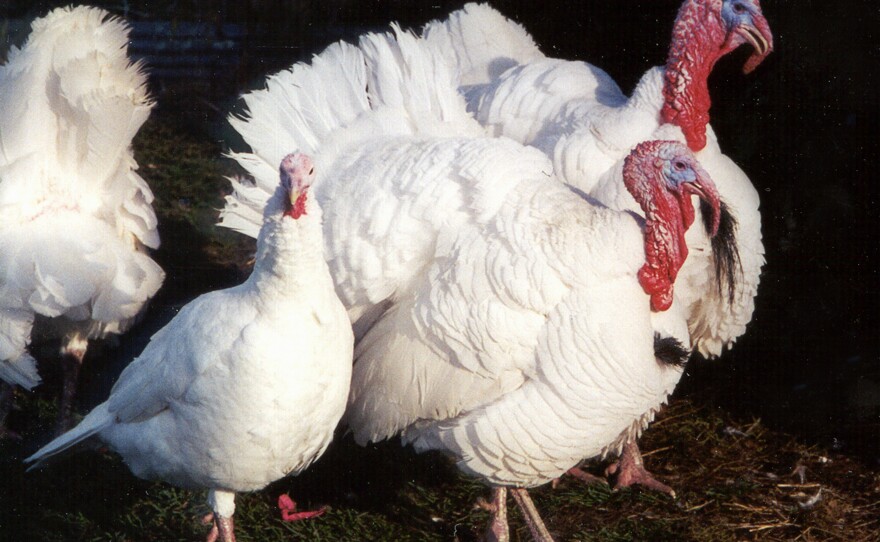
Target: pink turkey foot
{"type": "Point", "coordinates": [289, 513]}
{"type": "Point", "coordinates": [72, 354]}
{"type": "Point", "coordinates": [630, 470]}
{"type": "Point", "coordinates": [222, 529]}
{"type": "Point", "coordinates": [498, 531]}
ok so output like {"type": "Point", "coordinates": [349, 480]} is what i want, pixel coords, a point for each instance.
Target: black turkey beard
{"type": "Point", "coordinates": [725, 251]}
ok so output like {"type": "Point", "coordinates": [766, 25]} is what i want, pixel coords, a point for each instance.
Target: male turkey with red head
{"type": "Point", "coordinates": [577, 115]}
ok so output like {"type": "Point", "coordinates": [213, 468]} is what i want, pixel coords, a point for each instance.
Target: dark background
{"type": "Point", "coordinates": [803, 126]}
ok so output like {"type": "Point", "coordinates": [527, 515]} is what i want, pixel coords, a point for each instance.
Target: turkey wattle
{"type": "Point", "coordinates": [245, 385]}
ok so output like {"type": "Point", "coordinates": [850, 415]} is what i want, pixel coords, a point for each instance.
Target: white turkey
{"type": "Point", "coordinates": [75, 218]}
{"type": "Point", "coordinates": [501, 317]}
{"type": "Point", "coordinates": [245, 385]}
{"type": "Point", "coordinates": [576, 114]}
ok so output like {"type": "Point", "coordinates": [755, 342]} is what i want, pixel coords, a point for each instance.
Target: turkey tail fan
{"type": "Point", "coordinates": [404, 74]}
{"type": "Point", "coordinates": [99, 99]}
{"type": "Point", "coordinates": [87, 100]}
{"type": "Point", "coordinates": [297, 110]}
{"type": "Point", "coordinates": [390, 84]}
{"type": "Point", "coordinates": [725, 251]}
{"type": "Point", "coordinates": [481, 42]}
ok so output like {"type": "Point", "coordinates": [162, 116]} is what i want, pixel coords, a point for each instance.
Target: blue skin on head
{"type": "Point", "coordinates": [737, 13]}
{"type": "Point", "coordinates": [678, 168]}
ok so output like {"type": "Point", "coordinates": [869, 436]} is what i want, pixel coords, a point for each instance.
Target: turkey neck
{"type": "Point", "coordinates": [290, 253]}
{"type": "Point", "coordinates": [666, 221]}
{"type": "Point", "coordinates": [697, 40]}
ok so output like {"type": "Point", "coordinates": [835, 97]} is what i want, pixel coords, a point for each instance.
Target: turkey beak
{"type": "Point", "coordinates": [760, 37]}
{"type": "Point", "coordinates": [705, 189]}
{"type": "Point", "coordinates": [295, 193]}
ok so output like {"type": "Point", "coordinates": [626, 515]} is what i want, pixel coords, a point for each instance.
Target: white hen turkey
{"type": "Point", "coordinates": [501, 317]}
{"type": "Point", "coordinates": [75, 218]}
{"type": "Point", "coordinates": [245, 385]}
{"type": "Point", "coordinates": [578, 116]}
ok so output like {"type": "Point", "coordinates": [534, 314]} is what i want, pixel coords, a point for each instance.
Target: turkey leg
{"type": "Point", "coordinates": [530, 513]}
{"type": "Point", "coordinates": [72, 354]}
{"type": "Point", "coordinates": [498, 531]}
{"type": "Point", "coordinates": [630, 470]}
{"type": "Point", "coordinates": [222, 529]}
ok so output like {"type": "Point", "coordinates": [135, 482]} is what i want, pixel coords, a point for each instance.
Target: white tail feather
{"type": "Point", "coordinates": [391, 83]}
{"type": "Point", "coordinates": [97, 420]}
{"type": "Point", "coordinates": [20, 372]}
{"type": "Point", "coordinates": [480, 43]}
{"type": "Point", "coordinates": [71, 90]}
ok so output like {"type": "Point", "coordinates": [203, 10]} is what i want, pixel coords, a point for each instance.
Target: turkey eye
{"type": "Point", "coordinates": [311, 171]}
{"type": "Point", "coordinates": [679, 166]}
{"type": "Point", "coordinates": [739, 9]}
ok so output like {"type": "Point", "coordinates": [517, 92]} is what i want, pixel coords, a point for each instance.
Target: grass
{"type": "Point", "coordinates": [731, 487]}
{"type": "Point", "coordinates": [736, 479]}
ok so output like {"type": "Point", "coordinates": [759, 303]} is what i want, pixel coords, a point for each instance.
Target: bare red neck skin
{"type": "Point", "coordinates": [298, 208]}
{"type": "Point", "coordinates": [667, 217]}
{"type": "Point", "coordinates": [698, 39]}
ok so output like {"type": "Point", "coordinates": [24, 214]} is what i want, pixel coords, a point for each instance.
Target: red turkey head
{"type": "Point", "coordinates": [745, 23]}
{"type": "Point", "coordinates": [662, 176]}
{"type": "Point", "coordinates": [704, 31]}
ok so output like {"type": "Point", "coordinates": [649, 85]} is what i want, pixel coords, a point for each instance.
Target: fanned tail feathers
{"type": "Point", "coordinates": [88, 100]}
{"type": "Point", "coordinates": [480, 43]}
{"type": "Point", "coordinates": [390, 84]}
{"type": "Point", "coordinates": [298, 110]}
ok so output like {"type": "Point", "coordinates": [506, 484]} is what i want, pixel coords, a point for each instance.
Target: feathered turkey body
{"type": "Point", "coordinates": [75, 218]}
{"type": "Point", "coordinates": [499, 314]}
{"type": "Point", "coordinates": [579, 117]}
{"type": "Point", "coordinates": [245, 385]}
